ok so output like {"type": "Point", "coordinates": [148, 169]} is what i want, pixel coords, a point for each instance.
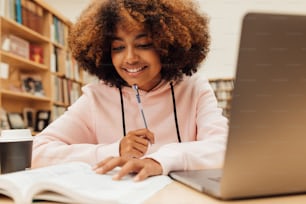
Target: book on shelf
{"type": "Point", "coordinates": [37, 53]}
{"type": "Point", "coordinates": [223, 91]}
{"type": "Point", "coordinates": [76, 182]}
{"type": "Point", "coordinates": [25, 13]}
{"type": "Point", "coordinates": [16, 45]}
{"type": "Point", "coordinates": [8, 9]}
{"type": "Point", "coordinates": [68, 66]}
{"type": "Point", "coordinates": [73, 91]}
{"type": "Point", "coordinates": [58, 31]}
{"type": "Point", "coordinates": [32, 15]}
{"type": "Point", "coordinates": [72, 70]}
{"type": "Point", "coordinates": [54, 60]}
{"type": "Point", "coordinates": [65, 92]}
{"type": "Point", "coordinates": [76, 70]}
{"type": "Point", "coordinates": [3, 8]}
{"type": "Point", "coordinates": [12, 10]}
{"type": "Point", "coordinates": [18, 9]}
{"type": "Point", "coordinates": [57, 89]}
{"type": "Point", "coordinates": [57, 111]}
{"type": "Point", "coordinates": [4, 70]}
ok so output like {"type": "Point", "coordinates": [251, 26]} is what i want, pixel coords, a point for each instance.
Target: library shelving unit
{"type": "Point", "coordinates": [38, 77]}
{"type": "Point", "coordinates": [223, 88]}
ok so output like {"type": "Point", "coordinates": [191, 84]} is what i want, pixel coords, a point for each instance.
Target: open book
{"type": "Point", "coordinates": [76, 183]}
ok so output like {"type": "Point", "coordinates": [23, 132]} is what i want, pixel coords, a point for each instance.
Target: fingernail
{"type": "Point", "coordinates": [99, 170]}
{"type": "Point", "coordinates": [136, 178]}
{"type": "Point", "coordinates": [116, 177]}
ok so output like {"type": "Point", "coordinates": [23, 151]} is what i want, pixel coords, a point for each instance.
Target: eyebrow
{"type": "Point", "coordinates": [141, 35]}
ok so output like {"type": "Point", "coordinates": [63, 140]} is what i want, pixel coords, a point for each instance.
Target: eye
{"type": "Point", "coordinates": [117, 48]}
{"type": "Point", "coordinates": [145, 46]}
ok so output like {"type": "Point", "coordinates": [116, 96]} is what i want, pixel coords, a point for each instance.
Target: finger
{"type": "Point", "coordinates": [141, 147]}
{"type": "Point", "coordinates": [132, 149]}
{"type": "Point", "coordinates": [101, 163]}
{"type": "Point", "coordinates": [149, 136]}
{"type": "Point", "coordinates": [134, 144]}
{"type": "Point", "coordinates": [150, 168]}
{"type": "Point", "coordinates": [142, 175]}
{"type": "Point", "coordinates": [142, 133]}
{"type": "Point", "coordinates": [141, 140]}
{"type": "Point", "coordinates": [130, 167]}
{"type": "Point", "coordinates": [111, 164]}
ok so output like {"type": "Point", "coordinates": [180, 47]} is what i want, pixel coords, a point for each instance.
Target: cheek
{"type": "Point", "coordinates": [156, 61]}
{"type": "Point", "coordinates": [115, 60]}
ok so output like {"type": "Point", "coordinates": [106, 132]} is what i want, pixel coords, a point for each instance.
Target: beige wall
{"type": "Point", "coordinates": [225, 25]}
{"type": "Point", "coordinates": [70, 8]}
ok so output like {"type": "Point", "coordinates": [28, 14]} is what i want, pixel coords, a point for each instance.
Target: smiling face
{"type": "Point", "coordinates": [135, 58]}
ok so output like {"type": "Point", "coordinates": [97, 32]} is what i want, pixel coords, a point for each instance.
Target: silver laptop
{"type": "Point", "coordinates": [266, 149]}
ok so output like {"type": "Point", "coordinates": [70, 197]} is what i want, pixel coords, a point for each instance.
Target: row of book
{"type": "Point", "coordinates": [23, 48]}
{"type": "Point", "coordinates": [65, 91]}
{"type": "Point", "coordinates": [57, 111]}
{"type": "Point", "coordinates": [31, 15]}
{"type": "Point", "coordinates": [222, 84]}
{"type": "Point", "coordinates": [223, 91]}
{"type": "Point", "coordinates": [72, 70]}
{"type": "Point", "coordinates": [62, 62]}
{"type": "Point", "coordinates": [25, 12]}
{"type": "Point", "coordinates": [35, 52]}
{"type": "Point", "coordinates": [59, 31]}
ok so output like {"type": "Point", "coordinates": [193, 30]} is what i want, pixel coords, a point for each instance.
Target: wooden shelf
{"type": "Point", "coordinates": [24, 64]}
{"type": "Point", "coordinates": [49, 60]}
{"type": "Point", "coordinates": [21, 96]}
{"type": "Point", "coordinates": [12, 26]}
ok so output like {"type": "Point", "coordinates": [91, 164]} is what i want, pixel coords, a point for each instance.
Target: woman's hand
{"type": "Point", "coordinates": [143, 167]}
{"type": "Point", "coordinates": [136, 143]}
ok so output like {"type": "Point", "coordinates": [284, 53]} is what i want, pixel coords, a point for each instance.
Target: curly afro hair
{"type": "Point", "coordinates": [179, 32]}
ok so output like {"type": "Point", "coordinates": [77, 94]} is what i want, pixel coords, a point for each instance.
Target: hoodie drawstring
{"type": "Point", "coordinates": [174, 110]}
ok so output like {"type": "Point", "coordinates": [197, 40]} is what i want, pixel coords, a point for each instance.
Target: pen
{"type": "Point", "coordinates": [135, 87]}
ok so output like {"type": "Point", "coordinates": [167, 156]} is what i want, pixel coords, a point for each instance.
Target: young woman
{"type": "Point", "coordinates": [155, 45]}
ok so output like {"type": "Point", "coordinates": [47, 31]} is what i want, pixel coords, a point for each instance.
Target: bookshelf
{"type": "Point", "coordinates": [38, 77]}
{"type": "Point", "coordinates": [223, 88]}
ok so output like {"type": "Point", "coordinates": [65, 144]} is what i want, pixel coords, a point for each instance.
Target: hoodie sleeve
{"type": "Point", "coordinates": [72, 137]}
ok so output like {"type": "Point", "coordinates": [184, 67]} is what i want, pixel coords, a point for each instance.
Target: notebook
{"type": "Point", "coordinates": [266, 147]}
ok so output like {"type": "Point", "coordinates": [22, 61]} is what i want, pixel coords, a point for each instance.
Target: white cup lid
{"type": "Point", "coordinates": [16, 135]}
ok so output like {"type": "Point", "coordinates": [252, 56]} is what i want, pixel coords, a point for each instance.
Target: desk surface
{"type": "Point", "coordinates": [181, 194]}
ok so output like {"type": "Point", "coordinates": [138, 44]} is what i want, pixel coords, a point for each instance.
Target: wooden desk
{"type": "Point", "coordinates": [180, 194]}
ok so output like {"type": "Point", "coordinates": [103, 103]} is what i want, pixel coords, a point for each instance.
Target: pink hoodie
{"type": "Point", "coordinates": [92, 127]}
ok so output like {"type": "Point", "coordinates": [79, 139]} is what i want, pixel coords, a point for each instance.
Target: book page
{"type": "Point", "coordinates": [18, 185]}
{"type": "Point", "coordinates": [89, 187]}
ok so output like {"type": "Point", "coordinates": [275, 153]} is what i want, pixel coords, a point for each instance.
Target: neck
{"type": "Point", "coordinates": [155, 85]}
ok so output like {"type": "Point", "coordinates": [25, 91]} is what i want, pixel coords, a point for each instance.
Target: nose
{"type": "Point", "coordinates": [131, 56]}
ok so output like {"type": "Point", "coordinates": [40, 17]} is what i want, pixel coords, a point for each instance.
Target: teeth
{"type": "Point", "coordinates": [134, 70]}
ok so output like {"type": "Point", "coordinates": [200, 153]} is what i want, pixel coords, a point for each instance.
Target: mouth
{"type": "Point", "coordinates": [134, 70]}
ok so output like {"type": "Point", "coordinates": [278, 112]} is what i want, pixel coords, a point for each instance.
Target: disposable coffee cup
{"type": "Point", "coordinates": [15, 150]}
